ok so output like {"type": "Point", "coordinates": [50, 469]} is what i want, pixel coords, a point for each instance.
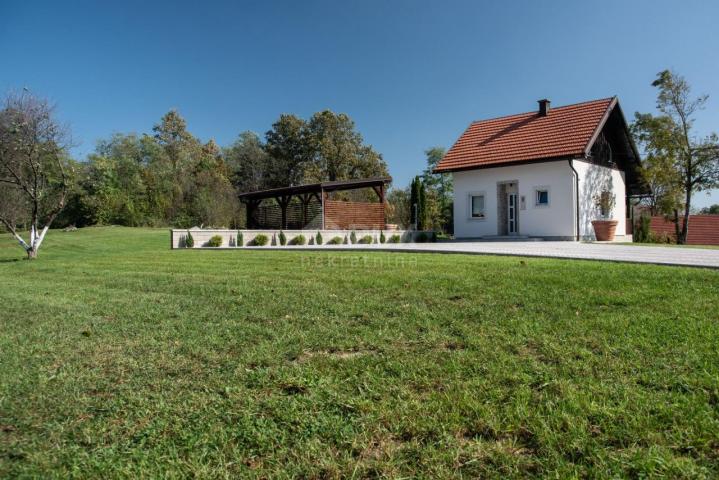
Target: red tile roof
{"type": "Point", "coordinates": [565, 131]}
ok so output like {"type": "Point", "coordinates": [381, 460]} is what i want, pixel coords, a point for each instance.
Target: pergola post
{"type": "Point", "coordinates": [250, 206]}
{"type": "Point", "coordinates": [284, 201]}
{"type": "Point", "coordinates": [379, 190]}
{"type": "Point", "coordinates": [322, 204]}
{"type": "Point", "coordinates": [305, 199]}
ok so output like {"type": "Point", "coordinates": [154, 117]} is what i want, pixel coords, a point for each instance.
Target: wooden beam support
{"type": "Point", "coordinates": [379, 190]}
{"type": "Point", "coordinates": [251, 206]}
{"type": "Point", "coordinates": [283, 201]}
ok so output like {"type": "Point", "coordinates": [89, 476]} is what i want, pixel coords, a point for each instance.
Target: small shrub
{"type": "Point", "coordinates": [260, 240]}
{"type": "Point", "coordinates": [382, 238]}
{"type": "Point", "coordinates": [395, 239]}
{"type": "Point", "coordinates": [421, 237]}
{"type": "Point", "coordinates": [318, 238]}
{"type": "Point", "coordinates": [335, 241]}
{"type": "Point", "coordinates": [240, 241]}
{"type": "Point", "coordinates": [365, 240]}
{"type": "Point", "coordinates": [662, 237]}
{"type": "Point", "coordinates": [283, 238]}
{"type": "Point", "coordinates": [215, 241]}
{"type": "Point", "coordinates": [642, 231]}
{"type": "Point", "coordinates": [189, 241]}
{"type": "Point", "coordinates": [345, 241]}
{"type": "Point", "coordinates": [353, 237]}
{"type": "Point", "coordinates": [298, 240]}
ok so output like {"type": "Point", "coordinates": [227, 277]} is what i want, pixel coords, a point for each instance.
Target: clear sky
{"type": "Point", "coordinates": [412, 74]}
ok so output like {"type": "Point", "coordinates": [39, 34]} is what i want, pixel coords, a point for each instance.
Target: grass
{"type": "Point", "coordinates": [121, 358]}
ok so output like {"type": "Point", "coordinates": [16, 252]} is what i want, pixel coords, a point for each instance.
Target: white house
{"type": "Point", "coordinates": [537, 174]}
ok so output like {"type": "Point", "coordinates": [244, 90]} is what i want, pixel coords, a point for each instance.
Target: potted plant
{"type": "Point", "coordinates": [605, 228]}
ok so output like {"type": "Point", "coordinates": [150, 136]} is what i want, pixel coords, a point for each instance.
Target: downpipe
{"type": "Point", "coordinates": [576, 197]}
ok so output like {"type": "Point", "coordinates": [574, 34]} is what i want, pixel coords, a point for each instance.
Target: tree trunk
{"type": "Point", "coordinates": [31, 254]}
{"type": "Point", "coordinates": [685, 223]}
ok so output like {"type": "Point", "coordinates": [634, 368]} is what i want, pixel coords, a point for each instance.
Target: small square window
{"type": "Point", "coordinates": [542, 198]}
{"type": "Point", "coordinates": [477, 204]}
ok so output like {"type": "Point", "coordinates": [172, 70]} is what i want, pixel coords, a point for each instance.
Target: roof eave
{"type": "Point", "coordinates": [558, 158]}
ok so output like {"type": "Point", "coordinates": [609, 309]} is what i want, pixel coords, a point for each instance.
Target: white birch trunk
{"type": "Point", "coordinates": [41, 237]}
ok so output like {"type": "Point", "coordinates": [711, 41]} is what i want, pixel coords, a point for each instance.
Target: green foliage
{"type": "Point", "coordinates": [318, 239]}
{"type": "Point", "coordinates": [279, 369]}
{"type": "Point", "coordinates": [189, 240]}
{"type": "Point", "coordinates": [421, 237]}
{"type": "Point", "coordinates": [260, 240]}
{"type": "Point", "coordinates": [711, 210]}
{"type": "Point", "coordinates": [439, 188]}
{"type": "Point", "coordinates": [282, 238]}
{"type": "Point", "coordinates": [398, 207]}
{"type": "Point", "coordinates": [353, 237]}
{"type": "Point", "coordinates": [240, 240]}
{"type": "Point", "coordinates": [345, 240]}
{"type": "Point", "coordinates": [382, 238]}
{"type": "Point", "coordinates": [335, 241]}
{"type": "Point", "coordinates": [215, 241]}
{"type": "Point", "coordinates": [678, 161]}
{"type": "Point", "coordinates": [418, 204]}
{"type": "Point", "coordinates": [172, 178]}
{"type": "Point", "coordinates": [642, 229]}
{"type": "Point", "coordinates": [395, 239]}
{"type": "Point", "coordinates": [365, 239]}
{"type": "Point", "coordinates": [298, 240]}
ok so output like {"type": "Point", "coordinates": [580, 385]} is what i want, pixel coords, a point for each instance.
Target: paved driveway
{"type": "Point", "coordinates": [695, 257]}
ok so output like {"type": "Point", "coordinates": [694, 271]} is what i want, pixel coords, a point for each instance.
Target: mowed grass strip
{"type": "Point", "coordinates": [121, 358]}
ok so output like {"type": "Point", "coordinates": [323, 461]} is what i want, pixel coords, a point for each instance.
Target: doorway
{"type": "Point", "coordinates": [512, 213]}
{"type": "Point", "coordinates": [508, 208]}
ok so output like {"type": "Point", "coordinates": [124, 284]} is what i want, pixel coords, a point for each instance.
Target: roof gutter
{"type": "Point", "coordinates": [576, 197]}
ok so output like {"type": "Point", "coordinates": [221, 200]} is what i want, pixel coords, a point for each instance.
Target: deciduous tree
{"type": "Point", "coordinates": [34, 168]}
{"type": "Point", "coordinates": [679, 162]}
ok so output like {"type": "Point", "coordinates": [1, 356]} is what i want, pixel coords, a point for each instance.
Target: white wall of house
{"type": "Point", "coordinates": [554, 220]}
{"type": "Point", "coordinates": [593, 179]}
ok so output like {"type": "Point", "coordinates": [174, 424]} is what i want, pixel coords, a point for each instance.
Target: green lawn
{"type": "Point", "coordinates": [121, 358]}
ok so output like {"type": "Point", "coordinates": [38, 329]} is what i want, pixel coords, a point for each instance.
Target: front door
{"type": "Point", "coordinates": [512, 213]}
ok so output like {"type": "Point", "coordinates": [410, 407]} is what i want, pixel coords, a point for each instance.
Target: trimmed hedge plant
{"type": "Point", "coordinates": [215, 241]}
{"type": "Point", "coordinates": [298, 240]}
{"type": "Point", "coordinates": [395, 238]}
{"type": "Point", "coordinates": [365, 240]}
{"type": "Point", "coordinates": [335, 241]}
{"type": "Point", "coordinates": [260, 240]}
{"type": "Point", "coordinates": [189, 241]}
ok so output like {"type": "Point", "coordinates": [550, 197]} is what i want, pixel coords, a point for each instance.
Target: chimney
{"type": "Point", "coordinates": [543, 107]}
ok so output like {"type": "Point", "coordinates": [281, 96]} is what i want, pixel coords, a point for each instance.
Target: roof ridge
{"type": "Point", "coordinates": [501, 117]}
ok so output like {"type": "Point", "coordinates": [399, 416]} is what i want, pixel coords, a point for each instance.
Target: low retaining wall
{"type": "Point", "coordinates": [229, 237]}
{"type": "Point", "coordinates": [703, 229]}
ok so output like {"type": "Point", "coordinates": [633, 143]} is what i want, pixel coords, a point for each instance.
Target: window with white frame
{"type": "Point", "coordinates": [541, 197]}
{"type": "Point", "coordinates": [476, 205]}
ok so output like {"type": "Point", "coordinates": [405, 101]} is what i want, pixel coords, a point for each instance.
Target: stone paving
{"type": "Point", "coordinates": [694, 257]}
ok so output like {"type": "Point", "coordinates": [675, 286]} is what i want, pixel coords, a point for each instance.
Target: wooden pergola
{"type": "Point", "coordinates": [306, 193]}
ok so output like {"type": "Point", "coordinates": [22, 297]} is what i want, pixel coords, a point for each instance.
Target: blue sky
{"type": "Point", "coordinates": [412, 74]}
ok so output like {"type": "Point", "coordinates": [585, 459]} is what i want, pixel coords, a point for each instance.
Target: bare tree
{"type": "Point", "coordinates": [34, 168]}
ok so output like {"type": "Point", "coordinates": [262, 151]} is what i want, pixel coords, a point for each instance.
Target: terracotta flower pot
{"type": "Point", "coordinates": [604, 230]}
